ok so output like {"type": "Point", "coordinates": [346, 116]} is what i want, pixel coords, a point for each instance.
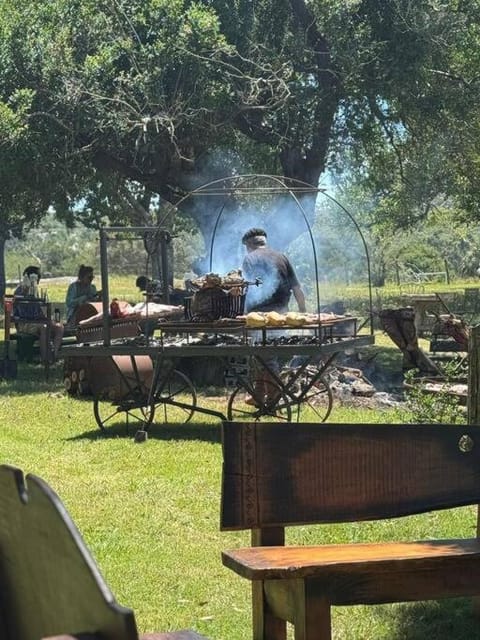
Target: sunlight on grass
{"type": "Point", "coordinates": [150, 513]}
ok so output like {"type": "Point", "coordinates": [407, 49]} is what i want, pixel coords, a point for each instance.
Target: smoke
{"type": "Point", "coordinates": [256, 295]}
{"type": "Point", "coordinates": [316, 233]}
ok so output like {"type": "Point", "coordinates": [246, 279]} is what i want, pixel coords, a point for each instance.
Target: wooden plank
{"type": "Point", "coordinates": [263, 563]}
{"type": "Point", "coordinates": [264, 621]}
{"type": "Point", "coordinates": [311, 473]}
{"type": "Point", "coordinates": [303, 605]}
{"type": "Point", "coordinates": [341, 588]}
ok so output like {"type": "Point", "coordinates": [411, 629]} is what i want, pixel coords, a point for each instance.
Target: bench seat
{"type": "Point", "coordinates": [362, 573]}
{"type": "Point", "coordinates": [280, 475]}
{"type": "Point", "coordinates": [270, 563]}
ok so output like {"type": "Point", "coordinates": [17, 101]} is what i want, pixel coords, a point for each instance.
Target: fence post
{"type": "Point", "coordinates": [473, 405]}
{"type": "Point", "coordinates": [447, 273]}
{"type": "Point", "coordinates": [473, 395]}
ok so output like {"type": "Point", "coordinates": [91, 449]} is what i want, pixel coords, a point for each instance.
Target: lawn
{"type": "Point", "coordinates": [150, 514]}
{"type": "Point", "coordinates": [150, 511]}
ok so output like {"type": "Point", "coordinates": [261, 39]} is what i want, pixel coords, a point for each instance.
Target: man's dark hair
{"type": "Point", "coordinates": [141, 282]}
{"type": "Point", "coordinates": [32, 269]}
{"type": "Point", "coordinates": [84, 270]}
{"type": "Point", "coordinates": [253, 233]}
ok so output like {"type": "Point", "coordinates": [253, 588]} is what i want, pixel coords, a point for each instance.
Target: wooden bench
{"type": "Point", "coordinates": [50, 585]}
{"type": "Point", "coordinates": [276, 475]}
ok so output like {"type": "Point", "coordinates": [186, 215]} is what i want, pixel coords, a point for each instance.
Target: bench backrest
{"type": "Point", "coordinates": [290, 474]}
{"type": "Point", "coordinates": [49, 583]}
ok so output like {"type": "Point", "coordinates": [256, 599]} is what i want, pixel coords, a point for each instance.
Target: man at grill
{"type": "Point", "coordinates": [279, 281]}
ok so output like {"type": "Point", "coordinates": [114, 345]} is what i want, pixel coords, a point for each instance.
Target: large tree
{"type": "Point", "coordinates": [149, 92]}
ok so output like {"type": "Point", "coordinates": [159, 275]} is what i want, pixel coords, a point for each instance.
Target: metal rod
{"type": "Point", "coordinates": [164, 241]}
{"type": "Point", "coordinates": [105, 292]}
{"type": "Point", "coordinates": [367, 256]}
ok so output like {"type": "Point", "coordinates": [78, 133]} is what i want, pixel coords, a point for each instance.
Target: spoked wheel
{"type": "Point", "coordinates": [314, 397]}
{"type": "Point", "coordinates": [175, 398]}
{"type": "Point", "coordinates": [278, 408]}
{"type": "Point", "coordinates": [130, 411]}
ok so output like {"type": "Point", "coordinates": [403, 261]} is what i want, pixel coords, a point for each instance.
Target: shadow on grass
{"type": "Point", "coordinates": [450, 619]}
{"type": "Point", "coordinates": [31, 379]}
{"type": "Point", "coordinates": [203, 432]}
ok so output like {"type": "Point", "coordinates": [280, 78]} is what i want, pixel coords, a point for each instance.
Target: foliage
{"type": "Point", "coordinates": [59, 251]}
{"type": "Point", "coordinates": [441, 238]}
{"type": "Point", "coordinates": [441, 407]}
{"type": "Point", "coordinates": [147, 91]}
{"type": "Point", "coordinates": [121, 106]}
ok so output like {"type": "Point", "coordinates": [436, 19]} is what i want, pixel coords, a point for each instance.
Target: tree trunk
{"type": "Point", "coordinates": [2, 266]}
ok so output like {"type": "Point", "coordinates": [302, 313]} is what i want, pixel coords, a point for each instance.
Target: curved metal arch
{"type": "Point", "coordinates": [302, 211]}
{"type": "Point", "coordinates": [295, 186]}
{"type": "Point", "coordinates": [365, 247]}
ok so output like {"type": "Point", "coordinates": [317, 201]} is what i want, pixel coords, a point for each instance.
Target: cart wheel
{"type": "Point", "coordinates": [238, 410]}
{"type": "Point", "coordinates": [176, 398]}
{"type": "Point", "coordinates": [136, 412]}
{"type": "Point", "coordinates": [316, 398]}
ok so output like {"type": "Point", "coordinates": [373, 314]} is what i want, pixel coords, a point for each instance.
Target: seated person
{"type": "Point", "coordinates": [80, 291]}
{"type": "Point", "coordinates": [152, 289]}
{"type": "Point", "coordinates": [30, 318]}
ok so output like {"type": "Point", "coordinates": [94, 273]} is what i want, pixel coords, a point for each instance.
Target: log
{"type": "Point", "coordinates": [399, 325]}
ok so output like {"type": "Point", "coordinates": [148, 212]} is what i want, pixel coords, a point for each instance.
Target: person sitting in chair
{"type": "Point", "coordinates": [30, 318]}
{"type": "Point", "coordinates": [81, 291]}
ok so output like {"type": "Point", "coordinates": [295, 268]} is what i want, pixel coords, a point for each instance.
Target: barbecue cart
{"type": "Point", "coordinates": [150, 385]}
{"type": "Point", "coordinates": [146, 382]}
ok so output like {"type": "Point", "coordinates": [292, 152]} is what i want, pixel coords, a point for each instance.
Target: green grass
{"type": "Point", "coordinates": [150, 514]}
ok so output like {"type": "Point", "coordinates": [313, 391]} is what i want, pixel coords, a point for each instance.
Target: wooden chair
{"type": "Point", "coordinates": [275, 475]}
{"type": "Point", "coordinates": [50, 585]}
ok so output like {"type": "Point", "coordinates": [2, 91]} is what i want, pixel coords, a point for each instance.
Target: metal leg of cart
{"type": "Point", "coordinates": [173, 394]}
{"type": "Point", "coordinates": [267, 401]}
{"type": "Point", "coordinates": [131, 410]}
{"type": "Point", "coordinates": [309, 391]}
{"type": "Point", "coordinates": [169, 391]}
{"type": "Point", "coordinates": [298, 391]}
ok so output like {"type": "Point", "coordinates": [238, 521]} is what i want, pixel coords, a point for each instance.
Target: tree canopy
{"type": "Point", "coordinates": [150, 98]}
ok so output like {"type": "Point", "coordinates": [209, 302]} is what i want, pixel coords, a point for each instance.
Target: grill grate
{"type": "Point", "coordinates": [227, 306]}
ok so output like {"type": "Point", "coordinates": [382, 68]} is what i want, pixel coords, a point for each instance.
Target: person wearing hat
{"type": "Point", "coordinates": [279, 281]}
{"type": "Point", "coordinates": [275, 271]}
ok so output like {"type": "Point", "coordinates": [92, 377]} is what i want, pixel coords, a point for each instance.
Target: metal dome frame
{"type": "Point", "coordinates": [281, 186]}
